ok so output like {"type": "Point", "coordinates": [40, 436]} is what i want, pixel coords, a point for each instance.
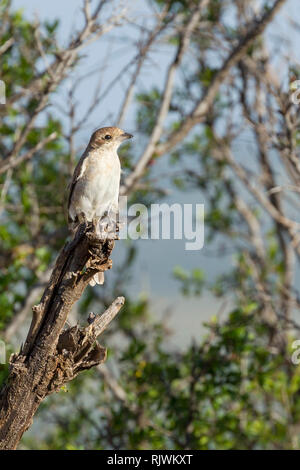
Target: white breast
{"type": "Point", "coordinates": [97, 188]}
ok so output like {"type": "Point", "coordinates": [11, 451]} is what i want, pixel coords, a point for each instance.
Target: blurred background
{"type": "Point", "coordinates": [201, 355]}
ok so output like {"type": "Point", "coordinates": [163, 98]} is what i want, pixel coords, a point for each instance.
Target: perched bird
{"type": "Point", "coordinates": [94, 189]}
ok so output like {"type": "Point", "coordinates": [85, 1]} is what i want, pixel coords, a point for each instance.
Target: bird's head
{"type": "Point", "coordinates": [108, 137]}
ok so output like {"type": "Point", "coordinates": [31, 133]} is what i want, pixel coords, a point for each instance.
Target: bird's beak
{"type": "Point", "coordinates": [126, 136]}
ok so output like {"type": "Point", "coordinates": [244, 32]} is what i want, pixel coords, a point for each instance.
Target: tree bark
{"type": "Point", "coordinates": [52, 355]}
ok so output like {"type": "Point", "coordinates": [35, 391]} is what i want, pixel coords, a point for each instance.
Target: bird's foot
{"type": "Point", "coordinates": [106, 227]}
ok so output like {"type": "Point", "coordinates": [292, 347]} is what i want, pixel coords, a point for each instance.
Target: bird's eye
{"type": "Point", "coordinates": [107, 137]}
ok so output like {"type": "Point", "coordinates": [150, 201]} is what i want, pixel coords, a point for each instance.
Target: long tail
{"type": "Point", "coordinates": [97, 279]}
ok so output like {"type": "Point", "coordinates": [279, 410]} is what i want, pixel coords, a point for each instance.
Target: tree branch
{"type": "Point", "coordinates": [13, 161]}
{"type": "Point", "coordinates": [51, 356]}
{"type": "Point", "coordinates": [166, 98]}
{"type": "Point", "coordinates": [201, 108]}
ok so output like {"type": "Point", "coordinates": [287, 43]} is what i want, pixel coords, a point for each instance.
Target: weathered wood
{"type": "Point", "coordinates": [52, 356]}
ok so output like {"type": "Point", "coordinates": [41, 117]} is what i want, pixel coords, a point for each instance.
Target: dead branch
{"type": "Point", "coordinates": [52, 355]}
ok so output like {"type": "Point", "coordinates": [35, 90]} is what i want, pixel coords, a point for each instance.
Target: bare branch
{"type": "Point", "coordinates": [166, 98]}
{"type": "Point", "coordinates": [200, 110]}
{"type": "Point", "coordinates": [12, 162]}
{"type": "Point", "coordinates": [6, 45]}
{"type": "Point", "coordinates": [50, 356]}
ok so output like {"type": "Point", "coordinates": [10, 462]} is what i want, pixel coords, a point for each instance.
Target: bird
{"type": "Point", "coordinates": [94, 188]}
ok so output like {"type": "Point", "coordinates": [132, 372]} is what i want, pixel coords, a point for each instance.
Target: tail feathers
{"type": "Point", "coordinates": [97, 279]}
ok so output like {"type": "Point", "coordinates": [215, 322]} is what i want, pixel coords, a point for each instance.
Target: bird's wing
{"type": "Point", "coordinates": [78, 172]}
